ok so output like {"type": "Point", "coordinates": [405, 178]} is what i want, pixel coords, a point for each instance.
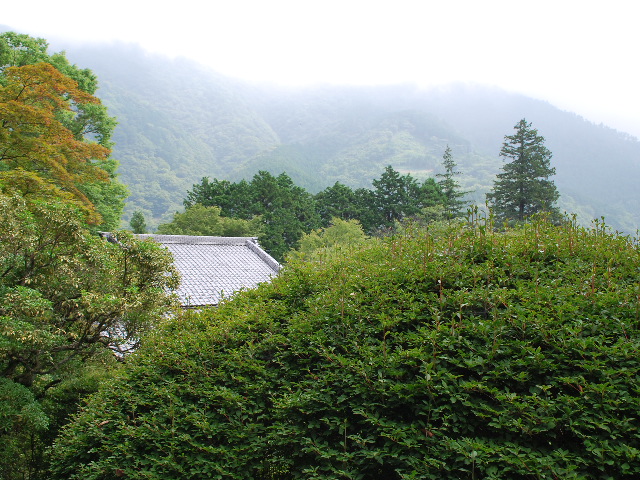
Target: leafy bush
{"type": "Point", "coordinates": [200, 220]}
{"type": "Point", "coordinates": [328, 241]}
{"type": "Point", "coordinates": [460, 353]}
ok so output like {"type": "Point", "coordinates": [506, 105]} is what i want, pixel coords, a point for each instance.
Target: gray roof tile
{"type": "Point", "coordinates": [215, 267]}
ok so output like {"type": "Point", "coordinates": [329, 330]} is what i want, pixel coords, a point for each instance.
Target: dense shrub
{"type": "Point", "coordinates": [457, 354]}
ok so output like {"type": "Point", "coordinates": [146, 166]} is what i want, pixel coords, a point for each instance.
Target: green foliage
{"type": "Point", "coordinates": [74, 292]}
{"type": "Point", "coordinates": [69, 300]}
{"type": "Point", "coordinates": [18, 49]}
{"type": "Point", "coordinates": [524, 188]}
{"type": "Point", "coordinates": [284, 210]}
{"type": "Point", "coordinates": [450, 353]}
{"type": "Point", "coordinates": [323, 241]}
{"type": "Point", "coordinates": [55, 127]}
{"type": "Point", "coordinates": [31, 419]}
{"type": "Point", "coordinates": [235, 199]}
{"type": "Point", "coordinates": [20, 412]}
{"type": "Point", "coordinates": [399, 197]}
{"type": "Point", "coordinates": [288, 211]}
{"type": "Point", "coordinates": [454, 206]}
{"type": "Point", "coordinates": [200, 220]}
{"type": "Point", "coordinates": [137, 222]}
{"type": "Point", "coordinates": [108, 197]}
{"type": "Point", "coordinates": [362, 204]}
{"type": "Point", "coordinates": [393, 199]}
{"type": "Point", "coordinates": [337, 201]}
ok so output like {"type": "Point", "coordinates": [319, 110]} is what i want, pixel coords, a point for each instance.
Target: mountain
{"type": "Point", "coordinates": [179, 121]}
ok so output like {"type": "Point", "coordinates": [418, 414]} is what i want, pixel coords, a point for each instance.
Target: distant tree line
{"type": "Point", "coordinates": [280, 212]}
{"type": "Point", "coordinates": [286, 211]}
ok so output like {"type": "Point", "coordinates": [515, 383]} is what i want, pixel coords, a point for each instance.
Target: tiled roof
{"type": "Point", "coordinates": [215, 267]}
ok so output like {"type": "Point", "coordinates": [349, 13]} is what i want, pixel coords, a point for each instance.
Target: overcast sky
{"type": "Point", "coordinates": [581, 55]}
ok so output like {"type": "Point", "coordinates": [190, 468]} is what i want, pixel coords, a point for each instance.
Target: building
{"type": "Point", "coordinates": [213, 268]}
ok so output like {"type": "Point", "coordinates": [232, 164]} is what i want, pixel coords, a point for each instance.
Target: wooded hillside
{"type": "Point", "coordinates": [179, 122]}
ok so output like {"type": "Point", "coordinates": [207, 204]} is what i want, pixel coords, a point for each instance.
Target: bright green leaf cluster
{"type": "Point", "coordinates": [323, 241]}
{"type": "Point", "coordinates": [200, 220]}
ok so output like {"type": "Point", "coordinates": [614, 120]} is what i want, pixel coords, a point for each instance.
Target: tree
{"type": "Point", "coordinates": [287, 210]}
{"type": "Point", "coordinates": [366, 213]}
{"type": "Point", "coordinates": [234, 199]}
{"type": "Point", "coordinates": [74, 291]}
{"type": "Point", "coordinates": [107, 196]}
{"type": "Point", "coordinates": [137, 222]}
{"type": "Point", "coordinates": [53, 124]}
{"type": "Point", "coordinates": [393, 196]}
{"type": "Point", "coordinates": [453, 203]}
{"type": "Point", "coordinates": [427, 194]}
{"type": "Point", "coordinates": [201, 220]}
{"type": "Point", "coordinates": [338, 201]}
{"type": "Point", "coordinates": [454, 354]}
{"type": "Point", "coordinates": [17, 49]}
{"type": "Point", "coordinates": [69, 301]}
{"type": "Point", "coordinates": [91, 119]}
{"type": "Point", "coordinates": [399, 197]}
{"type": "Point", "coordinates": [32, 137]}
{"type": "Point", "coordinates": [339, 234]}
{"type": "Point", "coordinates": [524, 188]}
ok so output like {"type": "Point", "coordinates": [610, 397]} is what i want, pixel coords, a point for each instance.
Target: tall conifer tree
{"type": "Point", "coordinates": [524, 188]}
{"type": "Point", "coordinates": [453, 202]}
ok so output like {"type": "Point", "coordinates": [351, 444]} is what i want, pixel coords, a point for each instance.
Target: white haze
{"type": "Point", "coordinates": [578, 55]}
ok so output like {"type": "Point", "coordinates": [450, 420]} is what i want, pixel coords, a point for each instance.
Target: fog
{"type": "Point", "coordinates": [576, 55]}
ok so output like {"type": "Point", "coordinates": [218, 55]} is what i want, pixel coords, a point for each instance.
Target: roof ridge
{"type": "Point", "coordinates": [268, 259]}
{"type": "Point", "coordinates": [197, 239]}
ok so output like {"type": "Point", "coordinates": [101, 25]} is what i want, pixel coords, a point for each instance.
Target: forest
{"type": "Point", "coordinates": [411, 334]}
{"type": "Point", "coordinates": [180, 122]}
{"type": "Point", "coordinates": [280, 213]}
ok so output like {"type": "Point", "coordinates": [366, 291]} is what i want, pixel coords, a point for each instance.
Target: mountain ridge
{"type": "Point", "coordinates": [180, 121]}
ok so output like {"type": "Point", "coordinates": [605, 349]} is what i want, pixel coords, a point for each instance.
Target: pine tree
{"type": "Point", "coordinates": [524, 188]}
{"type": "Point", "coordinates": [453, 204]}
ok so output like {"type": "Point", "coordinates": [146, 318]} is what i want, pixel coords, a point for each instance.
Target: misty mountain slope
{"type": "Point", "coordinates": [350, 135]}
{"type": "Point", "coordinates": [597, 168]}
{"type": "Point", "coordinates": [352, 154]}
{"type": "Point", "coordinates": [179, 122]}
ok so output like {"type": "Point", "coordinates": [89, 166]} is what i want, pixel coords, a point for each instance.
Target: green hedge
{"type": "Point", "coordinates": [430, 355]}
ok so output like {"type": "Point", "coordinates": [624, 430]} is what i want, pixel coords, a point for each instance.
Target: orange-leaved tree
{"type": "Point", "coordinates": [36, 102]}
